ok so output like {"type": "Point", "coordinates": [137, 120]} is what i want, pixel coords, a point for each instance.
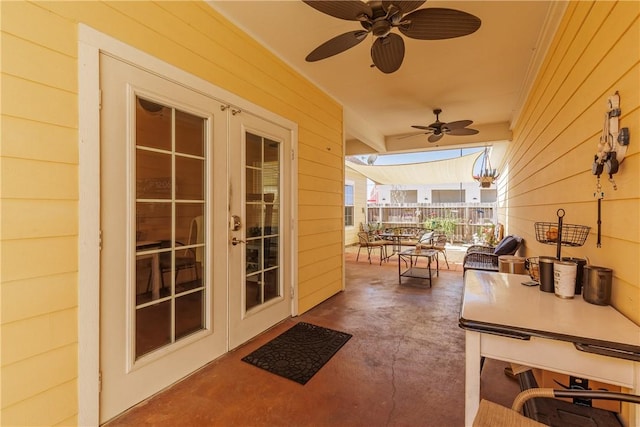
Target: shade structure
{"type": "Point", "coordinates": [458, 169]}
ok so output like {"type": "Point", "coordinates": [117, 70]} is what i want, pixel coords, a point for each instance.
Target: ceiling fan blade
{"type": "Point", "coordinates": [462, 131]}
{"type": "Point", "coordinates": [423, 127]}
{"type": "Point", "coordinates": [403, 6]}
{"type": "Point", "coordinates": [438, 23]}
{"type": "Point", "coordinates": [457, 124]}
{"type": "Point", "coordinates": [351, 10]}
{"type": "Point", "coordinates": [387, 53]}
{"type": "Point", "coordinates": [336, 45]}
{"type": "Point", "coordinates": [435, 138]}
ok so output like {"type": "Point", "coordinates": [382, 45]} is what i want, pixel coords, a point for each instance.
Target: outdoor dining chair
{"type": "Point", "coordinates": [371, 245]}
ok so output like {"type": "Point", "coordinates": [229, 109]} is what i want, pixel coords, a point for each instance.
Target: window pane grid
{"type": "Point", "coordinates": [262, 189]}
{"type": "Point", "coordinates": [170, 229]}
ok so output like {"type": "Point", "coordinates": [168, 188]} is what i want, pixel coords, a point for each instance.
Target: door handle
{"type": "Point", "coordinates": [235, 241]}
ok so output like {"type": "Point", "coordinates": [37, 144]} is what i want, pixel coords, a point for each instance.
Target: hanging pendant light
{"type": "Point", "coordinates": [487, 175]}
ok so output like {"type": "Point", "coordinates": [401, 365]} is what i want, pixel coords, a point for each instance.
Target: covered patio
{"type": "Point", "coordinates": [404, 365]}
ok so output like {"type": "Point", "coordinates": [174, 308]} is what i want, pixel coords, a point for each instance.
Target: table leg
{"type": "Point", "coordinates": [471, 376]}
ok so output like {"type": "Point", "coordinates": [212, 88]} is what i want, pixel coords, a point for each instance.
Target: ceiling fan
{"type": "Point", "coordinates": [438, 129]}
{"type": "Point", "coordinates": [380, 17]}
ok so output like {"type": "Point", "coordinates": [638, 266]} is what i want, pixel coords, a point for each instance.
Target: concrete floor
{"type": "Point", "coordinates": [404, 365]}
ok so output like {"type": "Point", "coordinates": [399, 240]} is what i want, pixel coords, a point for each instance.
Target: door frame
{"type": "Point", "coordinates": [90, 43]}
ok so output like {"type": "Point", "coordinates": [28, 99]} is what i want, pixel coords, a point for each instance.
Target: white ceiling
{"type": "Point", "coordinates": [482, 77]}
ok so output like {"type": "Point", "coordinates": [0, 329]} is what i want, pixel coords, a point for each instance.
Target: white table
{"type": "Point", "coordinates": [141, 251]}
{"type": "Point", "coordinates": [507, 321]}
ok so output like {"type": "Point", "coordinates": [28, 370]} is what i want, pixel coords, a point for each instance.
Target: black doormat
{"type": "Point", "coordinates": [299, 352]}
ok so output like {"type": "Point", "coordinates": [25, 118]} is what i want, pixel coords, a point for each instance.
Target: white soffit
{"type": "Point", "coordinates": [357, 127]}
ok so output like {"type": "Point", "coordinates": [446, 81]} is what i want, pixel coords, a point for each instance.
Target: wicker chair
{"type": "Point", "coordinates": [371, 245]}
{"type": "Point", "coordinates": [438, 243]}
{"type": "Point", "coordinates": [493, 415]}
{"type": "Point", "coordinates": [481, 257]}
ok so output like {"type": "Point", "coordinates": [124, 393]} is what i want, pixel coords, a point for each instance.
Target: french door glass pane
{"type": "Point", "coordinates": [144, 271]}
{"type": "Point", "coordinates": [271, 257]}
{"type": "Point", "coordinates": [189, 313]}
{"type": "Point", "coordinates": [153, 327]}
{"type": "Point", "coordinates": [254, 255]}
{"type": "Point", "coordinates": [153, 222]}
{"type": "Point", "coordinates": [254, 219]}
{"type": "Point", "coordinates": [271, 285]}
{"type": "Point", "coordinates": [153, 174]}
{"type": "Point", "coordinates": [262, 189]}
{"type": "Point", "coordinates": [253, 287]}
{"type": "Point", "coordinates": [254, 184]}
{"type": "Point", "coordinates": [190, 134]}
{"type": "Point", "coordinates": [271, 219]}
{"type": "Point", "coordinates": [170, 217]}
{"type": "Point", "coordinates": [186, 229]}
{"type": "Point", "coordinates": [253, 150]}
{"type": "Point", "coordinates": [189, 178]}
{"type": "Point", "coordinates": [153, 125]}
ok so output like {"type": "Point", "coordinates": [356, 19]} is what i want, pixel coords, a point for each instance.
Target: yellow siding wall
{"type": "Point", "coordinates": [596, 52]}
{"type": "Point", "coordinates": [360, 206]}
{"type": "Point", "coordinates": [39, 173]}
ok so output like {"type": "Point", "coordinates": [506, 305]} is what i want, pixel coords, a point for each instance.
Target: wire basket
{"type": "Point", "coordinates": [572, 234]}
{"type": "Point", "coordinates": [531, 264]}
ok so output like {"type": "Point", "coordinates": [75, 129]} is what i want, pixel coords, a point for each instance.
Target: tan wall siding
{"type": "Point", "coordinates": [548, 166]}
{"type": "Point", "coordinates": [360, 206]}
{"type": "Point", "coordinates": [40, 172]}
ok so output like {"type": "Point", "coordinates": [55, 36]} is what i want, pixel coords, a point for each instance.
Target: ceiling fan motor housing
{"type": "Point", "coordinates": [381, 28]}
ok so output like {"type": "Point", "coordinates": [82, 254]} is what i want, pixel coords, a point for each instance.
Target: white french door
{"type": "Point", "coordinates": [196, 230]}
{"type": "Point", "coordinates": [163, 272]}
{"type": "Point", "coordinates": [260, 284]}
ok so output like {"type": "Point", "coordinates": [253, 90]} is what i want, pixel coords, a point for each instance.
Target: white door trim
{"type": "Point", "coordinates": [90, 44]}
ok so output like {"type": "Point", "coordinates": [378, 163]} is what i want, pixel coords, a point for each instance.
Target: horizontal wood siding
{"type": "Point", "coordinates": [360, 206]}
{"type": "Point", "coordinates": [548, 166]}
{"type": "Point", "coordinates": [40, 172]}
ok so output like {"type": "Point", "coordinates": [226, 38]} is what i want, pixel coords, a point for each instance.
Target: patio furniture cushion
{"type": "Point", "coordinates": [507, 246]}
{"type": "Point", "coordinates": [426, 237]}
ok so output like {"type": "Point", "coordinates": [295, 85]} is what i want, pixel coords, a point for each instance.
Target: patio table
{"type": "Point", "coordinates": [410, 258]}
{"type": "Point", "coordinates": [396, 239]}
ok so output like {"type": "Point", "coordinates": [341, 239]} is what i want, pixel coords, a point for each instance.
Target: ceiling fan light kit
{"type": "Point", "coordinates": [380, 18]}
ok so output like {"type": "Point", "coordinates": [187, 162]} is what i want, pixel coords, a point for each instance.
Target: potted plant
{"type": "Point", "coordinates": [487, 175]}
